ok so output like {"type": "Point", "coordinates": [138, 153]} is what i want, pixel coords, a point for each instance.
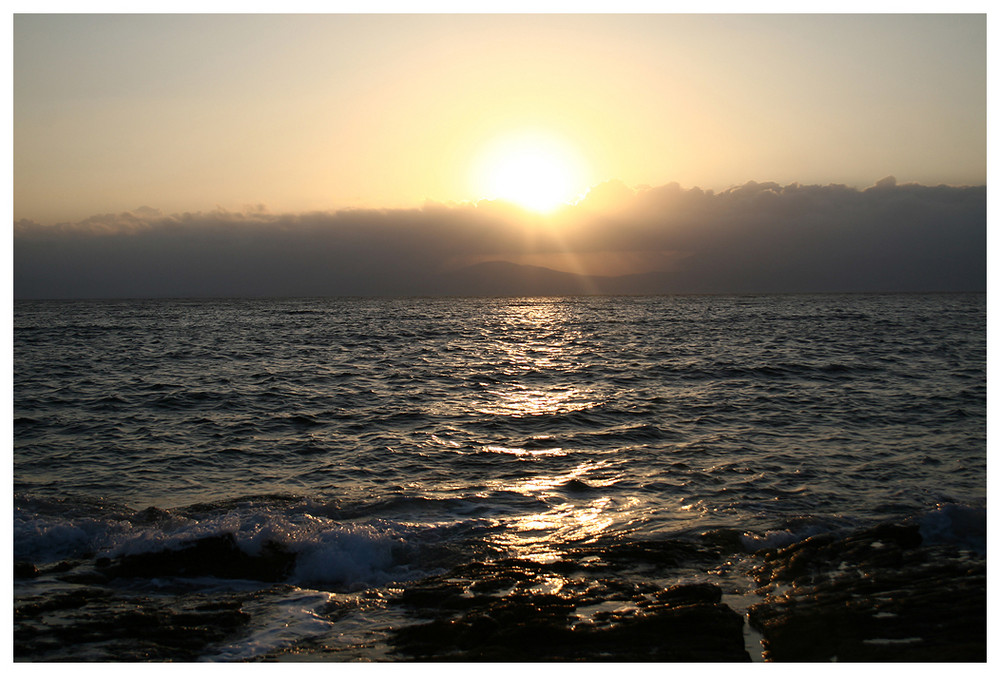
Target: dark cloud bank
{"type": "Point", "coordinates": [755, 238]}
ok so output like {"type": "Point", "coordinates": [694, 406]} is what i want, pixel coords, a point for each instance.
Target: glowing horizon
{"type": "Point", "coordinates": [302, 113]}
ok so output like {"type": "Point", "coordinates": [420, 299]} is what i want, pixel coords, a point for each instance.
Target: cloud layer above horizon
{"type": "Point", "coordinates": [753, 238]}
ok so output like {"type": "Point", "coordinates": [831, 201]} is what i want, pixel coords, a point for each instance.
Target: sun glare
{"type": "Point", "coordinates": [534, 171]}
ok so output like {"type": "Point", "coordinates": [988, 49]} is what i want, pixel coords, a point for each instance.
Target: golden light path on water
{"type": "Point", "coordinates": [531, 339]}
{"type": "Point", "coordinates": [538, 338]}
{"type": "Point", "coordinates": [519, 400]}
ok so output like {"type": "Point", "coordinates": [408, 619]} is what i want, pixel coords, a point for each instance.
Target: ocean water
{"type": "Point", "coordinates": [375, 443]}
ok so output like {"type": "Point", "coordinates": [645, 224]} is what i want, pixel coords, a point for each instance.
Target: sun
{"type": "Point", "coordinates": [534, 170]}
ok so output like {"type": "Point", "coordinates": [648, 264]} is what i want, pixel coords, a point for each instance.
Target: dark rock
{"type": "Point", "coordinates": [102, 626]}
{"type": "Point", "coordinates": [690, 593]}
{"type": "Point", "coordinates": [667, 553]}
{"type": "Point", "coordinates": [54, 603]}
{"type": "Point", "coordinates": [218, 556]}
{"type": "Point", "coordinates": [873, 596]}
{"type": "Point", "coordinates": [62, 566]}
{"type": "Point", "coordinates": [24, 569]}
{"type": "Point", "coordinates": [519, 610]}
{"type": "Point", "coordinates": [84, 577]}
{"type": "Point", "coordinates": [905, 537]}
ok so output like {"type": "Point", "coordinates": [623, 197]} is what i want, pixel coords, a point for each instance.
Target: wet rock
{"type": "Point", "coordinates": [661, 553]}
{"type": "Point", "coordinates": [62, 566]}
{"type": "Point", "coordinates": [83, 577]}
{"type": "Point", "coordinates": [873, 596]}
{"type": "Point", "coordinates": [217, 556]}
{"type": "Point", "coordinates": [519, 610]}
{"type": "Point", "coordinates": [24, 570]}
{"type": "Point", "coordinates": [99, 626]}
{"type": "Point", "coordinates": [54, 603]}
{"type": "Point", "coordinates": [690, 593]}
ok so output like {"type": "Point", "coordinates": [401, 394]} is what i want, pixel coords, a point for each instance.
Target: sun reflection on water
{"type": "Point", "coordinates": [535, 354]}
{"type": "Point", "coordinates": [532, 534]}
{"type": "Point", "coordinates": [571, 480]}
{"type": "Point", "coordinates": [518, 400]}
{"type": "Point", "coordinates": [531, 342]}
{"type": "Point", "coordinates": [526, 452]}
{"type": "Point", "coordinates": [578, 512]}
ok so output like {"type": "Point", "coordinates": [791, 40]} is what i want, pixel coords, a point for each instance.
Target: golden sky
{"type": "Point", "coordinates": [325, 112]}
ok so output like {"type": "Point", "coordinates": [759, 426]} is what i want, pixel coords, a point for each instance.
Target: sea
{"type": "Point", "coordinates": [320, 456]}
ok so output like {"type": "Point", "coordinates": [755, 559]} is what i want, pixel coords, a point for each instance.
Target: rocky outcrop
{"type": "Point", "coordinates": [217, 556]}
{"type": "Point", "coordinates": [98, 625]}
{"type": "Point", "coordinates": [565, 610]}
{"type": "Point", "coordinates": [874, 596]}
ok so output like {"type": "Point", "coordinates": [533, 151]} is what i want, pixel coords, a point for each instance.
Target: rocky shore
{"type": "Point", "coordinates": [875, 595]}
{"type": "Point", "coordinates": [522, 610]}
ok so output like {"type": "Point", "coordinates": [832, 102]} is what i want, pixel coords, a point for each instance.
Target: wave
{"type": "Point", "coordinates": [328, 545]}
{"type": "Point", "coordinates": [269, 538]}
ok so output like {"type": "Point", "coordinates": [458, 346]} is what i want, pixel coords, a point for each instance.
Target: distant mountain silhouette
{"type": "Point", "coordinates": [502, 278]}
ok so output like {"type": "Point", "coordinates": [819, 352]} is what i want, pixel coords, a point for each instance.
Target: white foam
{"type": "Point", "coordinates": [45, 539]}
{"type": "Point", "coordinates": [346, 554]}
{"type": "Point", "coordinates": [350, 555]}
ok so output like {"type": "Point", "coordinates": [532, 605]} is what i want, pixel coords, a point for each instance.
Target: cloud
{"type": "Point", "coordinates": [756, 237]}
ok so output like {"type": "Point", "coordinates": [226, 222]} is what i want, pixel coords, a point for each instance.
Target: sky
{"type": "Point", "coordinates": [545, 128]}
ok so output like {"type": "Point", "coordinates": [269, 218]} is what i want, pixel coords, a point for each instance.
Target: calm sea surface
{"type": "Point", "coordinates": [385, 440]}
